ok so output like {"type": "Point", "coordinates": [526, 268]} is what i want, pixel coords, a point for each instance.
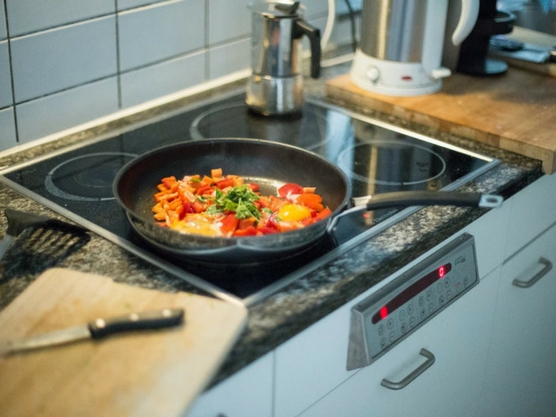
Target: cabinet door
{"type": "Point", "coordinates": [521, 374]}
{"type": "Point", "coordinates": [247, 393]}
{"type": "Point", "coordinates": [457, 338]}
{"type": "Point", "coordinates": [532, 211]}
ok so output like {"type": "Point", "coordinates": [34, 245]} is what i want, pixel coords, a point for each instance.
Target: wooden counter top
{"type": "Point", "coordinates": [515, 111]}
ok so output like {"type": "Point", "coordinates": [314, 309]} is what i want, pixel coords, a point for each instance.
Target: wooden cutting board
{"type": "Point", "coordinates": [515, 111]}
{"type": "Point", "coordinates": [154, 373]}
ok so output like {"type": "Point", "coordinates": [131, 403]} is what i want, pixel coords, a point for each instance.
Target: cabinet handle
{"type": "Point", "coordinates": [413, 375]}
{"type": "Point", "coordinates": [527, 284]}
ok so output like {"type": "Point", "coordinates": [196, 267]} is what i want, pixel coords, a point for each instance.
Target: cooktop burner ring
{"type": "Point", "coordinates": [283, 129]}
{"type": "Point", "coordinates": [94, 183]}
{"type": "Point", "coordinates": [421, 166]}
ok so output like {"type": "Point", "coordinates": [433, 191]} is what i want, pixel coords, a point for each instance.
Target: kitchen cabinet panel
{"type": "Point", "coordinates": [312, 363]}
{"type": "Point", "coordinates": [490, 231]}
{"type": "Point", "coordinates": [521, 373]}
{"type": "Point", "coordinates": [158, 80]}
{"type": "Point", "coordinates": [25, 16]}
{"type": "Point", "coordinates": [228, 20]}
{"type": "Point", "coordinates": [51, 114]}
{"type": "Point", "coordinates": [229, 58]}
{"type": "Point", "coordinates": [160, 31]}
{"type": "Point", "coordinates": [54, 60]}
{"type": "Point", "coordinates": [458, 340]}
{"type": "Point", "coordinates": [7, 127]}
{"type": "Point", "coordinates": [245, 394]}
{"type": "Point", "coordinates": [6, 97]}
{"type": "Point", "coordinates": [532, 211]}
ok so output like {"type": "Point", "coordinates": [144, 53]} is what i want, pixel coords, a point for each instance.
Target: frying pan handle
{"type": "Point", "coordinates": [433, 198]}
{"type": "Point", "coordinates": [422, 198]}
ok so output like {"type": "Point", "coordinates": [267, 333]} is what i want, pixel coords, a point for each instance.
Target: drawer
{"type": "Point", "coordinates": [533, 210]}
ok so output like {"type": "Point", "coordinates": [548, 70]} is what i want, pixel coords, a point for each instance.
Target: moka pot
{"type": "Point", "coordinates": [275, 86]}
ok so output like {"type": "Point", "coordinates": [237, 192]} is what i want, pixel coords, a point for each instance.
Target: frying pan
{"type": "Point", "coordinates": [270, 165]}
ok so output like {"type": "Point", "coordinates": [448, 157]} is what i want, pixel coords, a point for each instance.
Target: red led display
{"type": "Point", "coordinates": [383, 312]}
{"type": "Point", "coordinates": [442, 271]}
{"type": "Point", "coordinates": [411, 292]}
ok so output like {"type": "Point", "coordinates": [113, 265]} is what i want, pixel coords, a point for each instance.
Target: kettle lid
{"type": "Point", "coordinates": [277, 9]}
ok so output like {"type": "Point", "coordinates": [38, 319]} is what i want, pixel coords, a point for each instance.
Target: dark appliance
{"type": "Point", "coordinates": [473, 55]}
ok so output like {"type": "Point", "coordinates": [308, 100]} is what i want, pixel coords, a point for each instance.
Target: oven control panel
{"type": "Point", "coordinates": [391, 314]}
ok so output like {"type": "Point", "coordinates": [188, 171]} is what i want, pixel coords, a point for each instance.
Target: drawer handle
{"type": "Point", "coordinates": [527, 284]}
{"type": "Point", "coordinates": [413, 375]}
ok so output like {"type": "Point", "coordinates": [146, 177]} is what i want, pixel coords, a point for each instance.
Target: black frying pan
{"type": "Point", "coordinates": [270, 165]}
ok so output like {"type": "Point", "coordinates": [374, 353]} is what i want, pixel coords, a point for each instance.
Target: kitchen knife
{"type": "Point", "coordinates": [97, 329]}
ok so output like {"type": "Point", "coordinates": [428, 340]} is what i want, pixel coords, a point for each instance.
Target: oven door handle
{"type": "Point", "coordinates": [547, 266]}
{"type": "Point", "coordinates": [413, 375]}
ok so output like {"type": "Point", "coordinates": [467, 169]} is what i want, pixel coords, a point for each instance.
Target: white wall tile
{"type": "Point", "coordinates": [26, 16]}
{"type": "Point", "coordinates": [313, 7]}
{"type": "Point", "coordinates": [228, 20]}
{"type": "Point", "coordinates": [51, 114]}
{"type": "Point", "coordinates": [161, 31]}
{"type": "Point", "coordinates": [7, 129]}
{"type": "Point", "coordinates": [130, 4]}
{"type": "Point", "coordinates": [229, 58]}
{"type": "Point", "coordinates": [158, 80]}
{"type": "Point", "coordinates": [342, 34]}
{"type": "Point", "coordinates": [50, 61]}
{"type": "Point", "coordinates": [3, 31]}
{"type": "Point", "coordinates": [6, 98]}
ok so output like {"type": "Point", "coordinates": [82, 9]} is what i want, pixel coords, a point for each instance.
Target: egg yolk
{"type": "Point", "coordinates": [196, 224]}
{"type": "Point", "coordinates": [293, 213]}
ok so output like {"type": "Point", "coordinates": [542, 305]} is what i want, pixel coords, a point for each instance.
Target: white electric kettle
{"type": "Point", "coordinates": [400, 51]}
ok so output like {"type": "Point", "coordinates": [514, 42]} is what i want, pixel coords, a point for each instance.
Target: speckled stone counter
{"type": "Point", "coordinates": [284, 314]}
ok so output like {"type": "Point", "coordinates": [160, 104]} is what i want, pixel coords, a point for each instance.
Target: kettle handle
{"type": "Point", "coordinates": [303, 28]}
{"type": "Point", "coordinates": [467, 20]}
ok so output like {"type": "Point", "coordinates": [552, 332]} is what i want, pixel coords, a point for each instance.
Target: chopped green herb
{"type": "Point", "coordinates": [239, 199]}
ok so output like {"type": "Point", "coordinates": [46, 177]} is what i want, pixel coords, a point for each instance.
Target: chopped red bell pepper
{"type": "Point", "coordinates": [225, 183]}
{"type": "Point", "coordinates": [265, 230]}
{"type": "Point", "coordinates": [250, 231]}
{"type": "Point", "coordinates": [288, 189]}
{"type": "Point", "coordinates": [229, 223]}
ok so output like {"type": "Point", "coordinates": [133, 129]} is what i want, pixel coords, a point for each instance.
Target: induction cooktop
{"type": "Point", "coordinates": [377, 157]}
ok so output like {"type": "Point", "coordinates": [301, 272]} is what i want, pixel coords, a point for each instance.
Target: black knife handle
{"type": "Point", "coordinates": [158, 319]}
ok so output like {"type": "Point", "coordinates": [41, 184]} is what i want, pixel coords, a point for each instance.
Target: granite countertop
{"type": "Point", "coordinates": [289, 311]}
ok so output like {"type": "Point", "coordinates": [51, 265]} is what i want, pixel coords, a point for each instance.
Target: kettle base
{"type": "Point", "coordinates": [393, 78]}
{"type": "Point", "coordinates": [275, 96]}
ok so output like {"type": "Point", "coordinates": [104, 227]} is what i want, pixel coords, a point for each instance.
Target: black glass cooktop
{"type": "Point", "coordinates": [377, 158]}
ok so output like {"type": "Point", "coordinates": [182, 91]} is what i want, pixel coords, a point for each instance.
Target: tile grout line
{"type": "Point", "coordinates": [9, 41]}
{"type": "Point", "coordinates": [118, 69]}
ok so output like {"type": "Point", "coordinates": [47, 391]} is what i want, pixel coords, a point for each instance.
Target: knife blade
{"type": "Point", "coordinates": [98, 329]}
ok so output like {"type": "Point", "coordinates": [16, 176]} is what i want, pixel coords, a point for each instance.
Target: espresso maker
{"type": "Point", "coordinates": [275, 87]}
{"type": "Point", "coordinates": [400, 51]}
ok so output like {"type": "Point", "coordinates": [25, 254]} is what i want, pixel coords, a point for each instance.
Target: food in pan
{"type": "Point", "coordinates": [229, 206]}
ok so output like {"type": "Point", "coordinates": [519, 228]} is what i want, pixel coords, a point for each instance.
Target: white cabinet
{"type": "Point", "coordinates": [521, 374]}
{"type": "Point", "coordinates": [457, 338]}
{"type": "Point", "coordinates": [312, 363]}
{"type": "Point", "coordinates": [247, 393]}
{"type": "Point", "coordinates": [533, 210]}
